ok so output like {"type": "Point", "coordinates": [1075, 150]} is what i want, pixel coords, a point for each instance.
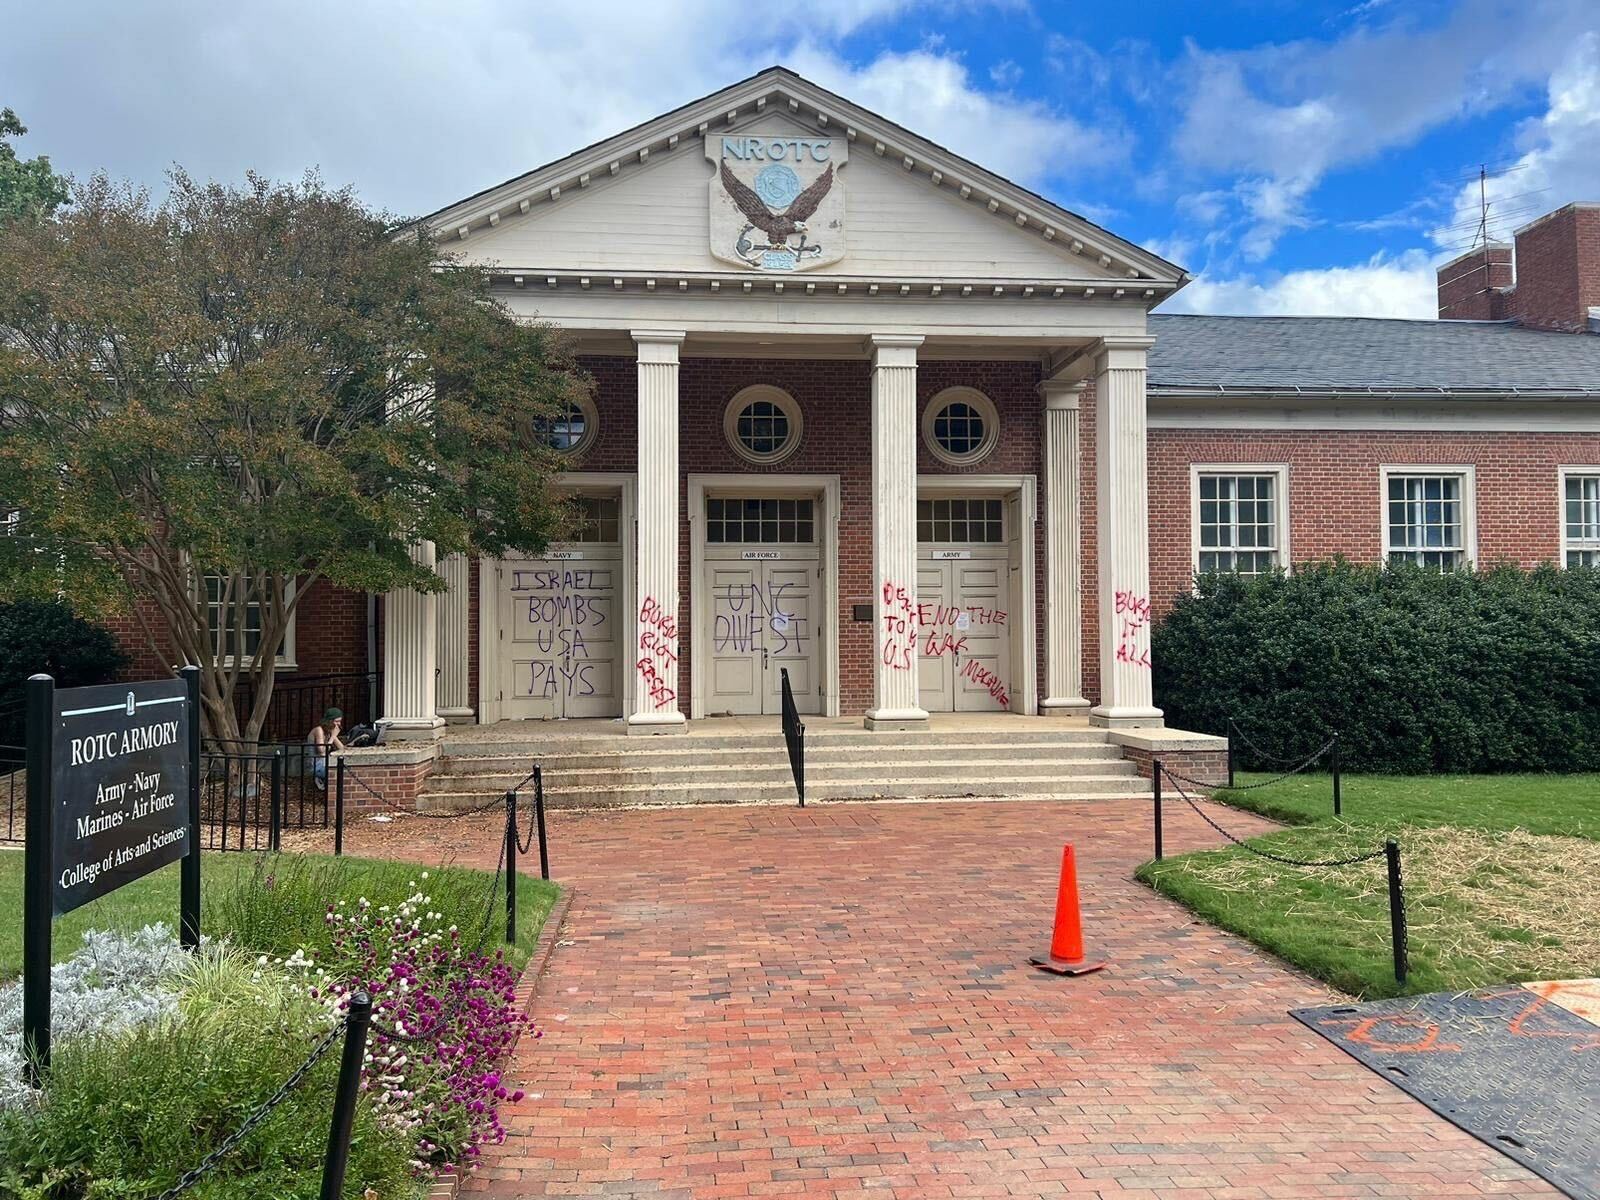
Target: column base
{"type": "Point", "coordinates": [457, 716]}
{"type": "Point", "coordinates": [896, 720]}
{"type": "Point", "coordinates": [647, 724]}
{"type": "Point", "coordinates": [411, 729]}
{"type": "Point", "coordinates": [1125, 718]}
{"type": "Point", "coordinates": [1055, 706]}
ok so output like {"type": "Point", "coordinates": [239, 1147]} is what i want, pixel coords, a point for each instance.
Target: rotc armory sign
{"type": "Point", "coordinates": [119, 785]}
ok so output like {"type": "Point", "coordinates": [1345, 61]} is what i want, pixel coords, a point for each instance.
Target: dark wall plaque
{"type": "Point", "coordinates": [119, 786]}
{"type": "Point", "coordinates": [861, 612]}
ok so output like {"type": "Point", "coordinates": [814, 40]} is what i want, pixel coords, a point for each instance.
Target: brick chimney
{"type": "Point", "coordinates": [1551, 280]}
{"type": "Point", "coordinates": [1473, 287]}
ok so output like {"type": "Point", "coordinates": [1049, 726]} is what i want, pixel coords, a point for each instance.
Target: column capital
{"type": "Point", "coordinates": [1122, 353]}
{"type": "Point", "coordinates": [658, 345]}
{"type": "Point", "coordinates": [894, 349]}
{"type": "Point", "coordinates": [1061, 393]}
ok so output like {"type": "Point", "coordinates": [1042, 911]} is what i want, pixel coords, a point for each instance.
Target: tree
{"type": "Point", "coordinates": [28, 190]}
{"type": "Point", "coordinates": [209, 404]}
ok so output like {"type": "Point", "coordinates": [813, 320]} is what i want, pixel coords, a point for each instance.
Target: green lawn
{"type": "Point", "coordinates": [1499, 871]}
{"type": "Point", "coordinates": [228, 881]}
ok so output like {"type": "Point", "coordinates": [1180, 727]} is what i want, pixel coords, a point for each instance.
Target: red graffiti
{"type": "Point", "coordinates": [658, 652]}
{"type": "Point", "coordinates": [938, 645]}
{"type": "Point", "coordinates": [899, 649]}
{"type": "Point", "coordinates": [981, 675]}
{"type": "Point", "coordinates": [1133, 638]}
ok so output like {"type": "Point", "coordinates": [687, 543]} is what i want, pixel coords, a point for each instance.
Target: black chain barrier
{"type": "Point", "coordinates": [1277, 858]}
{"type": "Point", "coordinates": [452, 815]}
{"type": "Point", "coordinates": [264, 1110]}
{"type": "Point", "coordinates": [1273, 758]}
{"type": "Point", "coordinates": [1250, 787]}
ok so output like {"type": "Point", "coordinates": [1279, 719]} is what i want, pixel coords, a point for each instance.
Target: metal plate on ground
{"type": "Point", "coordinates": [1514, 1070]}
{"type": "Point", "coordinates": [796, 820]}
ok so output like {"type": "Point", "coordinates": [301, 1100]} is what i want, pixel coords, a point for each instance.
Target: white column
{"type": "Point", "coordinates": [410, 658]}
{"type": "Point", "coordinates": [655, 658]}
{"type": "Point", "coordinates": [1123, 535]}
{"type": "Point", "coordinates": [894, 534]}
{"type": "Point", "coordinates": [1063, 551]}
{"type": "Point", "coordinates": [455, 704]}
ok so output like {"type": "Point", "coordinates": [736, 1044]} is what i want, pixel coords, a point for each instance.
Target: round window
{"type": "Point", "coordinates": [572, 427]}
{"type": "Point", "coordinates": [763, 424]}
{"type": "Point", "coordinates": [960, 426]}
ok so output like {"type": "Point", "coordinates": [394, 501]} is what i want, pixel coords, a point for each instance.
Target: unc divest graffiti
{"type": "Point", "coordinates": [658, 653]}
{"type": "Point", "coordinates": [753, 608]}
{"type": "Point", "coordinates": [562, 618]}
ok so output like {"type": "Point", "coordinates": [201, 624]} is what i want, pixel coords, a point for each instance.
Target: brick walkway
{"type": "Point", "coordinates": [754, 1002]}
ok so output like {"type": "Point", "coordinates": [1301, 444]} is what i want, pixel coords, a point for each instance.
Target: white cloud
{"type": "Point", "coordinates": [1383, 286]}
{"type": "Point", "coordinates": [1279, 118]}
{"type": "Point", "coordinates": [422, 102]}
{"type": "Point", "coordinates": [1560, 159]}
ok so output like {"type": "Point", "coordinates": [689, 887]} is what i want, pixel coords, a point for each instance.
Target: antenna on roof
{"type": "Point", "coordinates": [1483, 207]}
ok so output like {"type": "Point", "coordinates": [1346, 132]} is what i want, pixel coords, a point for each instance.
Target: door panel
{"type": "Point", "coordinates": [936, 642]}
{"type": "Point", "coordinates": [560, 629]}
{"type": "Point", "coordinates": [982, 683]}
{"type": "Point", "coordinates": [789, 634]}
{"type": "Point", "coordinates": [736, 645]}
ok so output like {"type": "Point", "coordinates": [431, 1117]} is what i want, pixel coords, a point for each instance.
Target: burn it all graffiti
{"type": "Point", "coordinates": [1133, 625]}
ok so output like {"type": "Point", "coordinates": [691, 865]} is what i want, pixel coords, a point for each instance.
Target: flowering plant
{"type": "Point", "coordinates": [444, 1015]}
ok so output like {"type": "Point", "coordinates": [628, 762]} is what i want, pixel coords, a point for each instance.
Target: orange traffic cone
{"type": "Point", "coordinates": [1065, 956]}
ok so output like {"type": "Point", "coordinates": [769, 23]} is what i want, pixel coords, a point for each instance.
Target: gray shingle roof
{"type": "Point", "coordinates": [1318, 354]}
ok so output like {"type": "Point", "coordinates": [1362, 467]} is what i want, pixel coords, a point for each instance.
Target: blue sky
{"type": "Point", "coordinates": [1296, 157]}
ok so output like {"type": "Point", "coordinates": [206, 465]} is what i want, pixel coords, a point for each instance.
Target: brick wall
{"type": "Point", "coordinates": [1470, 287]}
{"type": "Point", "coordinates": [1558, 270]}
{"type": "Point", "coordinates": [1334, 496]}
{"type": "Point", "coordinates": [835, 401]}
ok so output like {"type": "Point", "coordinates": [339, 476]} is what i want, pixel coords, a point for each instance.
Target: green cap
{"type": "Point", "coordinates": [332, 714]}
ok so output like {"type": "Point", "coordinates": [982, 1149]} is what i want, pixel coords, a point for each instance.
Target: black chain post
{"type": "Point", "coordinates": [189, 871]}
{"type": "Point", "coordinates": [1397, 912]}
{"type": "Point", "coordinates": [511, 867]}
{"type": "Point", "coordinates": [1232, 731]}
{"type": "Point", "coordinates": [39, 887]}
{"type": "Point", "coordinates": [338, 809]}
{"type": "Point", "coordinates": [1336, 797]}
{"type": "Point", "coordinates": [344, 1099]}
{"type": "Point", "coordinates": [275, 820]}
{"type": "Point", "coordinates": [1155, 775]}
{"type": "Point", "coordinates": [538, 812]}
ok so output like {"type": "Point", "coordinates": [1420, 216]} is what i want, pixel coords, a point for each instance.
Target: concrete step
{"type": "Point", "coordinates": [941, 769]}
{"type": "Point", "coordinates": [558, 743]}
{"type": "Point", "coordinates": [757, 757]}
{"type": "Point", "coordinates": [1078, 787]}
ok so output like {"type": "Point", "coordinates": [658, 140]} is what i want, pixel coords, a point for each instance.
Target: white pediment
{"type": "Point", "coordinates": [894, 207]}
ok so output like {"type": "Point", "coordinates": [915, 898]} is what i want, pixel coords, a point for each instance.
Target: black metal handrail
{"type": "Point", "coordinates": [794, 736]}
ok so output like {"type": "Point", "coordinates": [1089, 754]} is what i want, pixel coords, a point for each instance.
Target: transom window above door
{"type": "Point", "coordinates": [960, 426]}
{"type": "Point", "coordinates": [767, 520]}
{"type": "Point", "coordinates": [763, 424]}
{"type": "Point", "coordinates": [595, 519]}
{"type": "Point", "coordinates": [960, 519]}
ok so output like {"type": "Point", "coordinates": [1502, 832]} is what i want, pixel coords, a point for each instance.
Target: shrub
{"type": "Point", "coordinates": [44, 635]}
{"type": "Point", "coordinates": [125, 1115]}
{"type": "Point", "coordinates": [1418, 671]}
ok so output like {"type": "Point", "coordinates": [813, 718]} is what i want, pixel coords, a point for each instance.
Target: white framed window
{"type": "Point", "coordinates": [763, 424]}
{"type": "Point", "coordinates": [1239, 517]}
{"type": "Point", "coordinates": [1580, 516]}
{"type": "Point", "coordinates": [960, 426]}
{"type": "Point", "coordinates": [1428, 515]}
{"type": "Point", "coordinates": [232, 645]}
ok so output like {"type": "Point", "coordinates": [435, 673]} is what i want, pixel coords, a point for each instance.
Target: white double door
{"type": "Point", "coordinates": [964, 641]}
{"type": "Point", "coordinates": [561, 634]}
{"type": "Point", "coordinates": [761, 622]}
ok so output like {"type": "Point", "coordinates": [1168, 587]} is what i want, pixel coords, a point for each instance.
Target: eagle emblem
{"type": "Point", "coordinates": [775, 203]}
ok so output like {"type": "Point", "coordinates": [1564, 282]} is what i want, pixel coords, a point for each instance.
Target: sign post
{"type": "Point", "coordinates": [113, 780]}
